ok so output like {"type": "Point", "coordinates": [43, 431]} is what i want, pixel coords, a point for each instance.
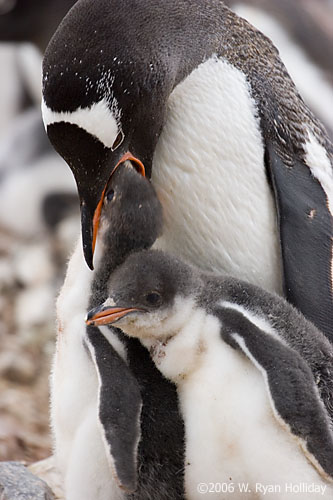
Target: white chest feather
{"type": "Point", "coordinates": [210, 176]}
{"type": "Point", "coordinates": [79, 447]}
{"type": "Point", "coordinates": [232, 437]}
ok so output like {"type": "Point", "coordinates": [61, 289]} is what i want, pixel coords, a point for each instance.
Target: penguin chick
{"type": "Point", "coordinates": [111, 438]}
{"type": "Point", "coordinates": [131, 216]}
{"type": "Point", "coordinates": [131, 219]}
{"type": "Point", "coordinates": [254, 377]}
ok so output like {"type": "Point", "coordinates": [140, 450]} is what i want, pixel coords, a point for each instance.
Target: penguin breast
{"type": "Point", "coordinates": [209, 173]}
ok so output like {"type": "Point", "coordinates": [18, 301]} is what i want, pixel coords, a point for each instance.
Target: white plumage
{"type": "Point", "coordinates": [78, 445]}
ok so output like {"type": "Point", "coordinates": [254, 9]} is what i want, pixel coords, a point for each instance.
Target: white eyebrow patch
{"type": "Point", "coordinates": [98, 120]}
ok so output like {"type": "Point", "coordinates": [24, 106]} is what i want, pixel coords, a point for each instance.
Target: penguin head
{"type": "Point", "coordinates": [31, 20]}
{"type": "Point", "coordinates": [149, 296]}
{"type": "Point", "coordinates": [106, 82]}
{"type": "Point", "coordinates": [131, 215]}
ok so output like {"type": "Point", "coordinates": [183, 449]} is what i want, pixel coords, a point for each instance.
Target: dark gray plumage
{"type": "Point", "coordinates": [131, 220]}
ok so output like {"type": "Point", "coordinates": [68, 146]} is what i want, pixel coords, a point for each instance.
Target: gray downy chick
{"type": "Point", "coordinates": [254, 377]}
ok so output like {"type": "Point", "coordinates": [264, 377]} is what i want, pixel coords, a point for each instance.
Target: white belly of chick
{"type": "Point", "coordinates": [78, 444]}
{"type": "Point", "coordinates": [210, 176]}
{"type": "Point", "coordinates": [235, 448]}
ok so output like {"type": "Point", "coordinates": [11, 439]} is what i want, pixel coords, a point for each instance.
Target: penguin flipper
{"type": "Point", "coordinates": [306, 233]}
{"type": "Point", "coordinates": [119, 409]}
{"type": "Point", "coordinates": [293, 393]}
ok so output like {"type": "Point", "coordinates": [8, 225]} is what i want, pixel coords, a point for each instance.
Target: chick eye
{"type": "Point", "coordinates": [153, 298]}
{"type": "Point", "coordinates": [118, 140]}
{"type": "Point", "coordinates": [109, 195]}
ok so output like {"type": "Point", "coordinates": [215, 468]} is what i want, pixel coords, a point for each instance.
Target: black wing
{"type": "Point", "coordinates": [293, 393]}
{"type": "Point", "coordinates": [306, 234]}
{"type": "Point", "coordinates": [119, 408]}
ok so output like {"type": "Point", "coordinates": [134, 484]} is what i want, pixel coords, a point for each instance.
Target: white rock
{"type": "Point", "coordinates": [33, 264]}
{"type": "Point", "coordinates": [10, 87]}
{"type": "Point", "coordinates": [22, 193]}
{"type": "Point", "coordinates": [35, 306]}
{"type": "Point", "coordinates": [46, 470]}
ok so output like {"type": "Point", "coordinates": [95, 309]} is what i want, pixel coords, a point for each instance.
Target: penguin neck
{"type": "Point", "coordinates": [181, 339]}
{"type": "Point", "coordinates": [109, 256]}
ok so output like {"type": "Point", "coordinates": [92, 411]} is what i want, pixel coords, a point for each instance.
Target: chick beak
{"type": "Point", "coordinates": [106, 315]}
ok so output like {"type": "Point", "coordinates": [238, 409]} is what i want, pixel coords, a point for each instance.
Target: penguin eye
{"type": "Point", "coordinates": [118, 140]}
{"type": "Point", "coordinates": [153, 298]}
{"type": "Point", "coordinates": [109, 195]}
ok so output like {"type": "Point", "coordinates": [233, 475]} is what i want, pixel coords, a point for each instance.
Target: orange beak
{"type": "Point", "coordinates": [140, 168]}
{"type": "Point", "coordinates": [107, 315]}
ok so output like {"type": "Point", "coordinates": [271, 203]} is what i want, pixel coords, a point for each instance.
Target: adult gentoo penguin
{"type": "Point", "coordinates": [202, 100]}
{"type": "Point", "coordinates": [254, 377]}
{"type": "Point", "coordinates": [117, 429]}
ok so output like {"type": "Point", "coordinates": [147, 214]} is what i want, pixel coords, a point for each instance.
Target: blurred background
{"type": "Point", "coordinates": [38, 206]}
